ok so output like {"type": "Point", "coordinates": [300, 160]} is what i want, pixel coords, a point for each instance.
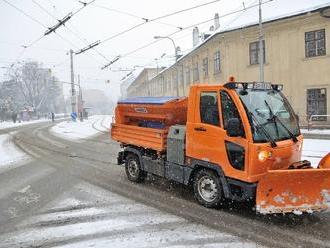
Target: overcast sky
{"type": "Point", "coordinates": [105, 18]}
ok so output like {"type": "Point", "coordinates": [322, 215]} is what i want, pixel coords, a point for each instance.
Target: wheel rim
{"type": "Point", "coordinates": [207, 188]}
{"type": "Point", "coordinates": [133, 168]}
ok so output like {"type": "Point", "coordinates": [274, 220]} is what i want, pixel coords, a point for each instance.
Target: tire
{"type": "Point", "coordinates": [207, 188]}
{"type": "Point", "coordinates": [133, 169]}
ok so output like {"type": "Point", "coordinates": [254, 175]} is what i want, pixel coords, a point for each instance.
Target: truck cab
{"type": "Point", "coordinates": [245, 128]}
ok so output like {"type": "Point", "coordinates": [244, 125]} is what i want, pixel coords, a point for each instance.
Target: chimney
{"type": "Point", "coordinates": [216, 21]}
{"type": "Point", "coordinates": [195, 36]}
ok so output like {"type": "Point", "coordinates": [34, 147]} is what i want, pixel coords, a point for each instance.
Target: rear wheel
{"type": "Point", "coordinates": [133, 169]}
{"type": "Point", "coordinates": [207, 188]}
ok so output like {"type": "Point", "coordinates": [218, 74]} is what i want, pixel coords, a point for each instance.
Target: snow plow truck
{"type": "Point", "coordinates": [239, 141]}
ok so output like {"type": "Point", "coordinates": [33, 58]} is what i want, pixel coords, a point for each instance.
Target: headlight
{"type": "Point", "coordinates": [263, 155]}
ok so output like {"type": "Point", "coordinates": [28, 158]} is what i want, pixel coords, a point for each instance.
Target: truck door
{"type": "Point", "coordinates": [205, 131]}
{"type": "Point", "coordinates": [209, 140]}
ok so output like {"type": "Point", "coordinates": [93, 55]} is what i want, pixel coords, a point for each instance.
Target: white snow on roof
{"type": "Point", "coordinates": [271, 11]}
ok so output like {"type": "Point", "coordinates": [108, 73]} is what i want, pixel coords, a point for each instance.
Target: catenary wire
{"type": "Point", "coordinates": [157, 18]}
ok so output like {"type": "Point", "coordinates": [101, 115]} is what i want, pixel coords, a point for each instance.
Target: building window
{"type": "Point", "coordinates": [187, 76]}
{"type": "Point", "coordinates": [209, 111]}
{"type": "Point", "coordinates": [205, 67]}
{"type": "Point", "coordinates": [217, 62]}
{"type": "Point", "coordinates": [195, 73]}
{"type": "Point", "coordinates": [315, 43]}
{"type": "Point", "coordinates": [317, 103]}
{"type": "Point", "coordinates": [254, 52]}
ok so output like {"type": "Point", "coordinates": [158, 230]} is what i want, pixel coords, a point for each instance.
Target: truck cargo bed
{"type": "Point", "coordinates": [144, 121]}
{"type": "Point", "coordinates": [145, 137]}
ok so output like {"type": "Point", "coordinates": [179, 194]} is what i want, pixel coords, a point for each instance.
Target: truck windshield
{"type": "Point", "coordinates": [269, 114]}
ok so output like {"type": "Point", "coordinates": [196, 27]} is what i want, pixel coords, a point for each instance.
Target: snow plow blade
{"type": "Point", "coordinates": [293, 191]}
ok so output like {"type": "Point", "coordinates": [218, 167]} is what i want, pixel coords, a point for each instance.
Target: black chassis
{"type": "Point", "coordinates": [233, 189]}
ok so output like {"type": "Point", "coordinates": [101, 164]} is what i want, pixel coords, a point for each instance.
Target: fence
{"type": "Point", "coordinates": [316, 121]}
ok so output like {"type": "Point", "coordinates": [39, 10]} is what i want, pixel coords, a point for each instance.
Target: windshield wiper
{"type": "Point", "coordinates": [275, 117]}
{"type": "Point", "coordinates": [259, 126]}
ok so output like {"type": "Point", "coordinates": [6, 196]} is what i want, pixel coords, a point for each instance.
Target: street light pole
{"type": "Point", "coordinates": [175, 48]}
{"type": "Point", "coordinates": [176, 59]}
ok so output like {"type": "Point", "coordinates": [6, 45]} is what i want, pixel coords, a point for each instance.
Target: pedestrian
{"type": "Point", "coordinates": [53, 116]}
{"type": "Point", "coordinates": [14, 117]}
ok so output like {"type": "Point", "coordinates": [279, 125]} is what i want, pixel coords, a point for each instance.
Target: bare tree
{"type": "Point", "coordinates": [33, 86]}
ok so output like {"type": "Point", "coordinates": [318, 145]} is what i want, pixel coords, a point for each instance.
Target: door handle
{"type": "Point", "coordinates": [200, 129]}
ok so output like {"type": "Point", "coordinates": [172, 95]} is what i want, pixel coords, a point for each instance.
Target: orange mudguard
{"type": "Point", "coordinates": [296, 191]}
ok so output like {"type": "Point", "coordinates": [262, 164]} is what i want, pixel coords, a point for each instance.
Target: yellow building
{"type": "Point", "coordinates": [297, 55]}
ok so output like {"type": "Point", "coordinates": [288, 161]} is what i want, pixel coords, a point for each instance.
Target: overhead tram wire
{"type": "Point", "coordinates": [134, 16]}
{"type": "Point", "coordinates": [148, 21]}
{"type": "Point", "coordinates": [145, 21]}
{"type": "Point", "coordinates": [158, 18]}
{"type": "Point", "coordinates": [89, 45]}
{"type": "Point", "coordinates": [41, 24]}
{"type": "Point", "coordinates": [191, 26]}
{"type": "Point", "coordinates": [24, 13]}
{"type": "Point", "coordinates": [33, 42]}
{"type": "Point", "coordinates": [74, 33]}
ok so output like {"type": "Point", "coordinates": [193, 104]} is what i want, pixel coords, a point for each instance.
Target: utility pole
{"type": "Point", "coordinates": [73, 90]}
{"type": "Point", "coordinates": [81, 103]}
{"type": "Point", "coordinates": [261, 47]}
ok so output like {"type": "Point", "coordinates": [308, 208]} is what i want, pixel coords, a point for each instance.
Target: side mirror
{"type": "Point", "coordinates": [234, 128]}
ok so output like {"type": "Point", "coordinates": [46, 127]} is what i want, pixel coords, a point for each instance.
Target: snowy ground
{"type": "Point", "coordinates": [315, 149]}
{"type": "Point", "coordinates": [10, 156]}
{"type": "Point", "coordinates": [9, 124]}
{"type": "Point", "coordinates": [89, 216]}
{"type": "Point", "coordinates": [82, 130]}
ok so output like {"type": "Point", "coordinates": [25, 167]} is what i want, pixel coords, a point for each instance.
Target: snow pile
{"type": "Point", "coordinates": [315, 149]}
{"type": "Point", "coordinates": [9, 154]}
{"type": "Point", "coordinates": [10, 124]}
{"type": "Point", "coordinates": [82, 130]}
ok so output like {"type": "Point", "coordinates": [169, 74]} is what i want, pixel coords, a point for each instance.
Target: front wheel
{"type": "Point", "coordinates": [207, 188]}
{"type": "Point", "coordinates": [133, 169]}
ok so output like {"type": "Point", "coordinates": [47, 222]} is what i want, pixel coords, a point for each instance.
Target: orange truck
{"type": "Point", "coordinates": [238, 141]}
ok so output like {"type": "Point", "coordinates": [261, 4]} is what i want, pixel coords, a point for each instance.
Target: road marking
{"type": "Point", "coordinates": [24, 189]}
{"type": "Point", "coordinates": [110, 219]}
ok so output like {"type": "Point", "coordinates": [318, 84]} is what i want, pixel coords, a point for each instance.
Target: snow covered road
{"type": "Point", "coordinates": [88, 216]}
{"type": "Point", "coordinates": [71, 194]}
